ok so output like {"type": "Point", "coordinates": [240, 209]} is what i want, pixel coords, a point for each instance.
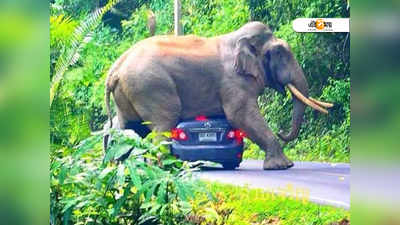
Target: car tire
{"type": "Point", "coordinates": [229, 166]}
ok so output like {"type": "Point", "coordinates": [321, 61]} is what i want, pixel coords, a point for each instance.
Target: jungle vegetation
{"type": "Point", "coordinates": [86, 37]}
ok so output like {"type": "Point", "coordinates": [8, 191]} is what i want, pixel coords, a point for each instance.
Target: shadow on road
{"type": "Point", "coordinates": [208, 166]}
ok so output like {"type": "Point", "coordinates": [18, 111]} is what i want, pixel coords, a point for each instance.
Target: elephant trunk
{"type": "Point", "coordinates": [301, 85]}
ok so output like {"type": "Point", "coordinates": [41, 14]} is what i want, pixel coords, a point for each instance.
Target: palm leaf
{"type": "Point", "coordinates": [81, 36]}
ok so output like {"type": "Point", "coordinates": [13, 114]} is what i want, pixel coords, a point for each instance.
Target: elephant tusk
{"type": "Point", "coordinates": [320, 103]}
{"type": "Point", "coordinates": [305, 100]}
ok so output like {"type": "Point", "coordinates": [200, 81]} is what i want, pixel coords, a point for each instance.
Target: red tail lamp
{"type": "Point", "coordinates": [178, 134]}
{"type": "Point", "coordinates": [201, 118]}
{"type": "Point", "coordinates": [236, 134]}
{"type": "Point", "coordinates": [240, 134]}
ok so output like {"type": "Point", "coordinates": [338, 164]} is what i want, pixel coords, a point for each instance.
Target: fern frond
{"type": "Point", "coordinates": [80, 38]}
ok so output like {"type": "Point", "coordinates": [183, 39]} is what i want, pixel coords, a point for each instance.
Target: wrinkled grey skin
{"type": "Point", "coordinates": [165, 79]}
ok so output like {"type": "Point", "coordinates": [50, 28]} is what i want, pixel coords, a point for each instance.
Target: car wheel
{"type": "Point", "coordinates": [229, 166]}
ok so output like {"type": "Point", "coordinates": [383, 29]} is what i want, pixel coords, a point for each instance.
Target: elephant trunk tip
{"type": "Point", "coordinates": [287, 137]}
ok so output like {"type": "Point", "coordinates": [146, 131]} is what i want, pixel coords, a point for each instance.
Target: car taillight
{"type": "Point", "coordinates": [178, 134]}
{"type": "Point", "coordinates": [201, 118]}
{"type": "Point", "coordinates": [236, 134]}
{"type": "Point", "coordinates": [239, 134]}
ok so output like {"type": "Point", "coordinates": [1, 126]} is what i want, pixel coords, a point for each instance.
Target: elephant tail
{"type": "Point", "coordinates": [111, 83]}
{"type": "Point", "coordinates": [107, 97]}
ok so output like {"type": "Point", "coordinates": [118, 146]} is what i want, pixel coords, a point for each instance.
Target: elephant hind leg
{"type": "Point", "coordinates": [160, 115]}
{"type": "Point", "coordinates": [160, 107]}
{"type": "Point", "coordinates": [125, 110]}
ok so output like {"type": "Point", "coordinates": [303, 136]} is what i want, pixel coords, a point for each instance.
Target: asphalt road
{"type": "Point", "coordinates": [322, 183]}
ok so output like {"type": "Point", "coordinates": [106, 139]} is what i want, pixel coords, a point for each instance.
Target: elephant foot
{"type": "Point", "coordinates": [280, 162]}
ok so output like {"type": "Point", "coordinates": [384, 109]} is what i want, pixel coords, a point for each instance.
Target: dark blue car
{"type": "Point", "coordinates": [210, 139]}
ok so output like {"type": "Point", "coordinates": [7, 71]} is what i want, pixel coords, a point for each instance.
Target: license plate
{"type": "Point", "coordinates": [207, 137]}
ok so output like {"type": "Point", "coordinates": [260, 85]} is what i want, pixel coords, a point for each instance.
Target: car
{"type": "Point", "coordinates": [208, 139]}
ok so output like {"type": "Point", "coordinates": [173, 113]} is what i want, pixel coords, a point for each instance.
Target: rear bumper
{"type": "Point", "coordinates": [215, 153]}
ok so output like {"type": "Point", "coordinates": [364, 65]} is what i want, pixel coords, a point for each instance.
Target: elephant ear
{"type": "Point", "coordinates": [245, 59]}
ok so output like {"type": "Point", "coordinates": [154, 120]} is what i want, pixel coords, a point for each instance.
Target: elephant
{"type": "Point", "coordinates": [165, 79]}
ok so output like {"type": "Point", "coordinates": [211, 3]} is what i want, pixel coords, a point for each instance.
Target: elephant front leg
{"type": "Point", "coordinates": [246, 116]}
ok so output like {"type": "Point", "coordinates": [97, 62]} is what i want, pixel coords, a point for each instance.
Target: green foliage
{"type": "Point", "coordinates": [78, 106]}
{"type": "Point", "coordinates": [79, 39]}
{"type": "Point", "coordinates": [149, 187]}
{"type": "Point", "coordinates": [79, 8]}
{"type": "Point", "coordinates": [61, 29]}
{"type": "Point", "coordinates": [252, 150]}
{"type": "Point", "coordinates": [209, 18]}
{"type": "Point", "coordinates": [280, 12]}
{"type": "Point", "coordinates": [233, 205]}
{"type": "Point", "coordinates": [164, 12]}
{"type": "Point", "coordinates": [75, 8]}
{"type": "Point", "coordinates": [135, 28]}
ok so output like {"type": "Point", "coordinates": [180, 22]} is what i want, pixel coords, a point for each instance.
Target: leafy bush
{"type": "Point", "coordinates": [280, 12]}
{"type": "Point", "coordinates": [209, 18]}
{"type": "Point", "coordinates": [61, 29]}
{"type": "Point", "coordinates": [75, 8]}
{"type": "Point", "coordinates": [149, 187]}
{"type": "Point", "coordinates": [78, 108]}
{"type": "Point", "coordinates": [79, 8]}
{"type": "Point", "coordinates": [80, 37]}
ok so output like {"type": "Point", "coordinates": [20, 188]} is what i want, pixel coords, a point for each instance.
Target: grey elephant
{"type": "Point", "coordinates": [165, 79]}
